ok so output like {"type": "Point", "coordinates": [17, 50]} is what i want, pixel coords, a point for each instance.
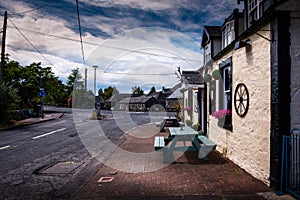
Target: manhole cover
{"type": "Point", "coordinates": [61, 168]}
{"type": "Point", "coordinates": [137, 168]}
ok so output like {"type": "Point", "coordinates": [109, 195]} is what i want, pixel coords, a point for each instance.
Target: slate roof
{"type": "Point", "coordinates": [210, 32]}
{"type": "Point", "coordinates": [192, 77]}
{"type": "Point", "coordinates": [141, 99]}
{"type": "Point", "coordinates": [213, 31]}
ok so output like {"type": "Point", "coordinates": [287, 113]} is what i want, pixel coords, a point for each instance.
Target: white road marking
{"type": "Point", "coordinates": [39, 136]}
{"type": "Point", "coordinates": [5, 147]}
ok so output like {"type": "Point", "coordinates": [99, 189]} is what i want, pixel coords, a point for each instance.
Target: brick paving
{"type": "Point", "coordinates": [187, 178]}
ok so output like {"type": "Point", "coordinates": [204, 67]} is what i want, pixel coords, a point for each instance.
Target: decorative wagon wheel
{"type": "Point", "coordinates": [241, 100]}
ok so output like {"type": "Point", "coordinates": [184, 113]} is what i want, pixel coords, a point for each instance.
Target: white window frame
{"type": "Point", "coordinates": [254, 6]}
{"type": "Point", "coordinates": [195, 102]}
{"type": "Point", "coordinates": [227, 91]}
{"type": "Point", "coordinates": [228, 33]}
{"type": "Point", "coordinates": [207, 55]}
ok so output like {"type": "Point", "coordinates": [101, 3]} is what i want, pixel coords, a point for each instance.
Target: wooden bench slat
{"type": "Point", "coordinates": [206, 141]}
{"type": "Point", "coordinates": [159, 142]}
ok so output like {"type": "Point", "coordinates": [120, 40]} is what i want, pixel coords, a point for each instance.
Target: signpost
{"type": "Point", "coordinates": [42, 95]}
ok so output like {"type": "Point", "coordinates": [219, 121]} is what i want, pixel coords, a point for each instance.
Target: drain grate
{"type": "Point", "coordinates": [61, 168]}
{"type": "Point", "coordinates": [137, 168]}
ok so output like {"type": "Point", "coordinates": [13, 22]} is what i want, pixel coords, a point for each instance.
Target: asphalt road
{"type": "Point", "coordinates": [64, 148]}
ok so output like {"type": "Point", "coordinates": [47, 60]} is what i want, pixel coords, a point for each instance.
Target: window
{"type": "Point", "coordinates": [212, 97]}
{"type": "Point", "coordinates": [225, 97]}
{"type": "Point", "coordinates": [256, 9]}
{"type": "Point", "coordinates": [226, 71]}
{"type": "Point", "coordinates": [196, 102]}
{"type": "Point", "coordinates": [207, 53]}
{"type": "Point", "coordinates": [228, 33]}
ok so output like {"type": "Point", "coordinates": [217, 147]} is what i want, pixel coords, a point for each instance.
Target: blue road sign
{"type": "Point", "coordinates": [42, 93]}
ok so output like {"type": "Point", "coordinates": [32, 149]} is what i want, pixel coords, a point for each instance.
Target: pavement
{"type": "Point", "coordinates": [145, 177]}
{"type": "Point", "coordinates": [133, 176]}
{"type": "Point", "coordinates": [35, 120]}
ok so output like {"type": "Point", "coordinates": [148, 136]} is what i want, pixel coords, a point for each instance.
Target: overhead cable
{"type": "Point", "coordinates": [80, 34]}
{"type": "Point", "coordinates": [33, 45]}
{"type": "Point", "coordinates": [34, 9]}
{"type": "Point", "coordinates": [111, 47]}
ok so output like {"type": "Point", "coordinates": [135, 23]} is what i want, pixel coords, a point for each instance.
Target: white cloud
{"type": "Point", "coordinates": [118, 53]}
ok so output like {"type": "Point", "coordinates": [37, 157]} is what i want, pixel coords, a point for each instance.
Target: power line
{"type": "Point", "coordinates": [119, 73]}
{"type": "Point", "coordinates": [32, 44]}
{"type": "Point", "coordinates": [107, 46]}
{"type": "Point", "coordinates": [37, 8]}
{"type": "Point", "coordinates": [79, 27]}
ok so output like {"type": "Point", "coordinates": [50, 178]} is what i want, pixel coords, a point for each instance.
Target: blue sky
{"type": "Point", "coordinates": [133, 42]}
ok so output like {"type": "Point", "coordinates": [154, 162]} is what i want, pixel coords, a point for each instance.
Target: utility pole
{"type": "Point", "coordinates": [98, 108]}
{"type": "Point", "coordinates": [85, 79]}
{"type": "Point", "coordinates": [3, 46]}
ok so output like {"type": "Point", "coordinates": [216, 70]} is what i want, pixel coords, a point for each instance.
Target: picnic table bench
{"type": "Point", "coordinates": [200, 143]}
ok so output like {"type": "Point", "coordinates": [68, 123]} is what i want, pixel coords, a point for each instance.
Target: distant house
{"type": "Point", "coordinates": [153, 101]}
{"type": "Point", "coordinates": [193, 88]}
{"type": "Point", "coordinates": [137, 104]}
{"type": "Point", "coordinates": [253, 95]}
{"type": "Point", "coordinates": [175, 97]}
{"type": "Point", "coordinates": [114, 100]}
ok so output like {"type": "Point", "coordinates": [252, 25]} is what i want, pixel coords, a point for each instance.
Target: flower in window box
{"type": "Point", "coordinates": [187, 108]}
{"type": "Point", "coordinates": [219, 114]}
{"type": "Point", "coordinates": [217, 74]}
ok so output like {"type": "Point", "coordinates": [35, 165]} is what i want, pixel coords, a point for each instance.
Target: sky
{"type": "Point", "coordinates": [131, 42]}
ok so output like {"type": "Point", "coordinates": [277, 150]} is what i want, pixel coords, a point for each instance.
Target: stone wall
{"type": "Point", "coordinates": [248, 145]}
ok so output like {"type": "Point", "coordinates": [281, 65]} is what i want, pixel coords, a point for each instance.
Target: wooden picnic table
{"type": "Point", "coordinates": [177, 139]}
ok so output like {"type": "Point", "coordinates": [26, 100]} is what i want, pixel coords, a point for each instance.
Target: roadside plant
{"type": "Point", "coordinates": [196, 127]}
{"type": "Point", "coordinates": [188, 122]}
{"type": "Point", "coordinates": [177, 109]}
{"type": "Point", "coordinates": [9, 101]}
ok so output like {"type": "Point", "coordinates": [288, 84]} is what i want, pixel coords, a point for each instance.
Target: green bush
{"type": "Point", "coordinates": [8, 101]}
{"type": "Point", "coordinates": [196, 127]}
{"type": "Point", "coordinates": [188, 122]}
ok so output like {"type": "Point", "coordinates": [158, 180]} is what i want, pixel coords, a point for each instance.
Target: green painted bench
{"type": "Point", "coordinates": [206, 146]}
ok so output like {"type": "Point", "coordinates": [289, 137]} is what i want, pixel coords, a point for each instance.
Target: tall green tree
{"type": "Point", "coordinates": [137, 90]}
{"type": "Point", "coordinates": [29, 79]}
{"type": "Point", "coordinates": [74, 77]}
{"type": "Point", "coordinates": [152, 90]}
{"type": "Point", "coordinates": [8, 101]}
{"type": "Point", "coordinates": [109, 91]}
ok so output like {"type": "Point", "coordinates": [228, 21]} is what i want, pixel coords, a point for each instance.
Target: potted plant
{"type": "Point", "coordinates": [217, 74]}
{"type": "Point", "coordinates": [188, 122]}
{"type": "Point", "coordinates": [196, 127]}
{"type": "Point", "coordinates": [207, 78]}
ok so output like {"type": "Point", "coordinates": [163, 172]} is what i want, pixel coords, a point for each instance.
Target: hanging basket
{"type": "Point", "coordinates": [207, 78]}
{"type": "Point", "coordinates": [217, 74]}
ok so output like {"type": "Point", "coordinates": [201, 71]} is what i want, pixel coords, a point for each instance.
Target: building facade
{"type": "Point", "coordinates": [253, 95]}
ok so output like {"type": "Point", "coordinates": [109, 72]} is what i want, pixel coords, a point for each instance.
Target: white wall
{"type": "Point", "coordinates": [248, 145]}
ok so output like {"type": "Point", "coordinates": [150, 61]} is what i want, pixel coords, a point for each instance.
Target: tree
{"type": "Point", "coordinates": [9, 100]}
{"type": "Point", "coordinates": [72, 78]}
{"type": "Point", "coordinates": [152, 90]}
{"type": "Point", "coordinates": [108, 92]}
{"type": "Point", "coordinates": [137, 90]}
{"type": "Point", "coordinates": [28, 80]}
